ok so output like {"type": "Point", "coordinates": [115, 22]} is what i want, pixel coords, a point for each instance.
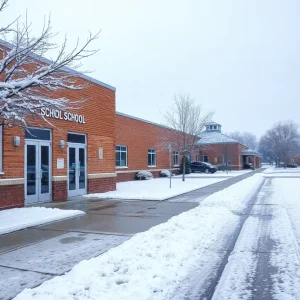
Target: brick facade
{"type": "Point", "coordinates": [101, 185]}
{"type": "Point", "coordinates": [99, 128]}
{"type": "Point", "coordinates": [59, 190]}
{"type": "Point", "coordinates": [215, 154]}
{"type": "Point", "coordinates": [139, 136]}
{"type": "Point", "coordinates": [11, 196]}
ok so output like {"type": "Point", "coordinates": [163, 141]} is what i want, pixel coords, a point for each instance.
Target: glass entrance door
{"type": "Point", "coordinates": [76, 169]}
{"type": "Point", "coordinates": [37, 171]}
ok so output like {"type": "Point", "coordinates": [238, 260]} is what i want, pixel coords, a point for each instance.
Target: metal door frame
{"type": "Point", "coordinates": [77, 191]}
{"type": "Point", "coordinates": [38, 197]}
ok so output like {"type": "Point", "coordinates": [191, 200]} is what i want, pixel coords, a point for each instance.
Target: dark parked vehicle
{"type": "Point", "coordinates": [200, 166]}
{"type": "Point", "coordinates": [248, 166]}
{"type": "Point", "coordinates": [292, 166]}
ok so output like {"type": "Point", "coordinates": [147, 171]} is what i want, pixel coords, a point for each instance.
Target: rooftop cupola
{"type": "Point", "coordinates": [213, 126]}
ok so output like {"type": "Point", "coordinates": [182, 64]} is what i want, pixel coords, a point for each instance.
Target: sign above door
{"type": "Point", "coordinates": [62, 115]}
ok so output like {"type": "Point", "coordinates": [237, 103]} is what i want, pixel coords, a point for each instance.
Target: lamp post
{"type": "Point", "coordinates": [170, 163]}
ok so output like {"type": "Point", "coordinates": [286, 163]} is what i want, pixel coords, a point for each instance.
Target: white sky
{"type": "Point", "coordinates": [238, 58]}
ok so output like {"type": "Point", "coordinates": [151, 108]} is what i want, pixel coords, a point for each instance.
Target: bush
{"type": "Point", "coordinates": [188, 169]}
{"type": "Point", "coordinates": [143, 175]}
{"type": "Point", "coordinates": [165, 173]}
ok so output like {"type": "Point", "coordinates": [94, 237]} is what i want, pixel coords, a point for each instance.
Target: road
{"type": "Point", "coordinates": [259, 262]}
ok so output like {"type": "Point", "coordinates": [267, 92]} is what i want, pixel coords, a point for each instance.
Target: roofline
{"type": "Point", "coordinates": [69, 70]}
{"type": "Point", "coordinates": [218, 143]}
{"type": "Point", "coordinates": [143, 120]}
{"type": "Point", "coordinates": [146, 121]}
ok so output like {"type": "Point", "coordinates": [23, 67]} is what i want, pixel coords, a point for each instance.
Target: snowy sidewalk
{"type": "Point", "coordinates": [19, 218]}
{"type": "Point", "coordinates": [155, 189]}
{"type": "Point", "coordinates": [152, 265]}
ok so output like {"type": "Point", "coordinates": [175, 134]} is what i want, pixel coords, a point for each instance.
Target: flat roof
{"type": "Point", "coordinates": [69, 70]}
{"type": "Point", "coordinates": [143, 120]}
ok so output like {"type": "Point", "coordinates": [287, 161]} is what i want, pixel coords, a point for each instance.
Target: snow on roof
{"type": "Point", "coordinates": [251, 152]}
{"type": "Point", "coordinates": [69, 70]}
{"type": "Point", "coordinates": [212, 123]}
{"type": "Point", "coordinates": [215, 137]}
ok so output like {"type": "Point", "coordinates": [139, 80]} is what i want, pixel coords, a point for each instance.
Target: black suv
{"type": "Point", "coordinates": [200, 166]}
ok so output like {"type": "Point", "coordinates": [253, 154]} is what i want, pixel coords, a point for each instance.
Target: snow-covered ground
{"type": "Point", "coordinates": [219, 174]}
{"type": "Point", "coordinates": [155, 189]}
{"type": "Point", "coordinates": [20, 218]}
{"type": "Point", "coordinates": [266, 257]}
{"type": "Point", "coordinates": [152, 264]}
{"type": "Point", "coordinates": [272, 172]}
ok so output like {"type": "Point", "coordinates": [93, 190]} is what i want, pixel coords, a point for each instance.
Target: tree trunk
{"type": "Point", "coordinates": [183, 168]}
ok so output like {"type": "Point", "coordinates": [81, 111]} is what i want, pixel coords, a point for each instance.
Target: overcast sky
{"type": "Point", "coordinates": [238, 58]}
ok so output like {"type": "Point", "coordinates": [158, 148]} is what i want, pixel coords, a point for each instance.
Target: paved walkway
{"type": "Point", "coordinates": [31, 256]}
{"type": "Point", "coordinates": [200, 194]}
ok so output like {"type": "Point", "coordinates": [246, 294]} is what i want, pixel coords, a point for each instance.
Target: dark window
{"type": "Point", "coordinates": [37, 134]}
{"type": "Point", "coordinates": [151, 157]}
{"type": "Point", "coordinates": [205, 158]}
{"type": "Point", "coordinates": [76, 138]}
{"type": "Point", "coordinates": [121, 156]}
{"type": "Point", "coordinates": [176, 162]}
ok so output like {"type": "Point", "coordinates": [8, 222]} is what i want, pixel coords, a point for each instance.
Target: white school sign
{"type": "Point", "coordinates": [62, 115]}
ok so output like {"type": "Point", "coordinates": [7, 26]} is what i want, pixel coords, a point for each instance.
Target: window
{"type": "Point", "coordinates": [37, 134]}
{"type": "Point", "coordinates": [121, 156]}
{"type": "Point", "coordinates": [76, 138]}
{"type": "Point", "coordinates": [151, 157]}
{"type": "Point", "coordinates": [197, 157]}
{"type": "Point", "coordinates": [205, 158]}
{"type": "Point", "coordinates": [176, 162]}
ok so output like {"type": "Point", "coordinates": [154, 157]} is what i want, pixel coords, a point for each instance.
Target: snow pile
{"type": "Point", "coordinates": [20, 218]}
{"type": "Point", "coordinates": [237, 196]}
{"type": "Point", "coordinates": [156, 189]}
{"type": "Point", "coordinates": [144, 175]}
{"type": "Point", "coordinates": [152, 264]}
{"type": "Point", "coordinates": [148, 266]}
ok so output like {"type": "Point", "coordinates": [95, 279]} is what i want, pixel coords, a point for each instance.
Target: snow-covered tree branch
{"type": "Point", "coordinates": [28, 81]}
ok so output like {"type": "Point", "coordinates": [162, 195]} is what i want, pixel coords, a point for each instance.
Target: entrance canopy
{"type": "Point", "coordinates": [251, 157]}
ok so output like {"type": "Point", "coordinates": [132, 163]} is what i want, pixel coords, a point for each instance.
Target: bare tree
{"type": "Point", "coordinates": [28, 82]}
{"type": "Point", "coordinates": [246, 138]}
{"type": "Point", "coordinates": [281, 142]}
{"type": "Point", "coordinates": [186, 118]}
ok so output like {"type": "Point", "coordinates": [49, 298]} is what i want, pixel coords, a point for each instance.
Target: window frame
{"type": "Point", "coordinates": [198, 157]}
{"type": "Point", "coordinates": [122, 151]}
{"type": "Point", "coordinates": [152, 153]}
{"type": "Point", "coordinates": [204, 158]}
{"type": "Point", "coordinates": [175, 154]}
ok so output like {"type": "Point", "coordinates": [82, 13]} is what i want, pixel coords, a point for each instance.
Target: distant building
{"type": "Point", "coordinates": [220, 149]}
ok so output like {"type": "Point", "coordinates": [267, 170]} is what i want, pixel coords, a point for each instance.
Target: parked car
{"type": "Point", "coordinates": [292, 166]}
{"type": "Point", "coordinates": [248, 166]}
{"type": "Point", "coordinates": [200, 166]}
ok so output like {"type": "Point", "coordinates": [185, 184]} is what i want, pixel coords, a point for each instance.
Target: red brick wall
{"type": "Point", "coordinates": [139, 136]}
{"type": "Point", "coordinates": [11, 196]}
{"type": "Point", "coordinates": [59, 190]}
{"type": "Point", "coordinates": [101, 185]}
{"type": "Point", "coordinates": [215, 154]}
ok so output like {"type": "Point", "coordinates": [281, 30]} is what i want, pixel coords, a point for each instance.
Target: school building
{"type": "Point", "coordinates": [88, 150]}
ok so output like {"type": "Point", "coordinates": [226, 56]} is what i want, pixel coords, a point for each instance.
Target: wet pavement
{"type": "Point", "coordinates": [33, 255]}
